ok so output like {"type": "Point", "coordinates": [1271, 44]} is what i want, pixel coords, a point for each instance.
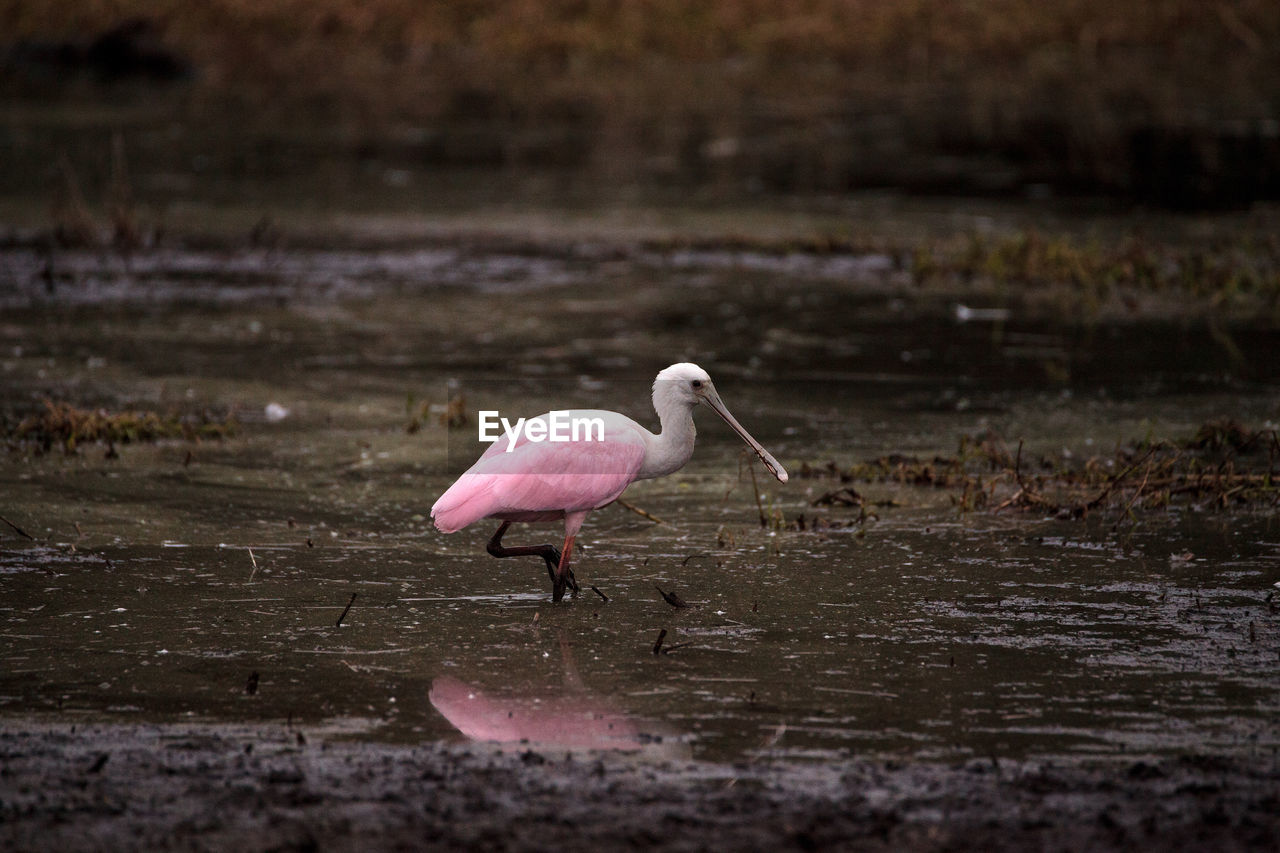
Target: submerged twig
{"type": "Point", "coordinates": [345, 611]}
{"type": "Point", "coordinates": [657, 646]}
{"type": "Point", "coordinates": [638, 511]}
{"type": "Point", "coordinates": [17, 529]}
{"type": "Point", "coordinates": [671, 598]}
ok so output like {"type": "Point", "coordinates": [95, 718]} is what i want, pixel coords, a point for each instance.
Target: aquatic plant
{"type": "Point", "coordinates": [62, 425]}
{"type": "Point", "coordinates": [1222, 464]}
{"type": "Point", "coordinates": [451, 414]}
{"type": "Point", "coordinates": [75, 223]}
{"type": "Point", "coordinates": [1223, 273]}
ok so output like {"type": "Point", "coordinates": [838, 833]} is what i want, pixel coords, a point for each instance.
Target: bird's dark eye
{"type": "Point", "coordinates": [697, 383]}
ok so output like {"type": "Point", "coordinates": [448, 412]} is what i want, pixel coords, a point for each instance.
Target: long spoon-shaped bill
{"type": "Point", "coordinates": [713, 400]}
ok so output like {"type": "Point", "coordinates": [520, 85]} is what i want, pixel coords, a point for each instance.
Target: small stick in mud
{"type": "Point", "coordinates": [345, 611]}
{"type": "Point", "coordinates": [657, 647]}
{"type": "Point", "coordinates": [671, 598]}
{"type": "Point", "coordinates": [638, 511]}
{"type": "Point", "coordinates": [253, 560]}
{"type": "Point", "coordinates": [17, 529]}
{"type": "Point", "coordinates": [1117, 480]}
{"type": "Point", "coordinates": [597, 591]}
{"type": "Point", "coordinates": [764, 521]}
{"type": "Point", "coordinates": [1128, 510]}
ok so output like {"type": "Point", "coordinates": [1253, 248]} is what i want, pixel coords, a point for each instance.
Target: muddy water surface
{"type": "Point", "coordinates": [183, 581]}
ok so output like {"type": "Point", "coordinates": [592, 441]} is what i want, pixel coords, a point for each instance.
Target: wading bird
{"type": "Point", "coordinates": [520, 478]}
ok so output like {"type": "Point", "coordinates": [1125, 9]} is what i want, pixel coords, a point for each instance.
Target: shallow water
{"type": "Point", "coordinates": [160, 582]}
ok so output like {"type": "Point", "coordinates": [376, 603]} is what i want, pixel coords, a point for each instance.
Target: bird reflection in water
{"type": "Point", "coordinates": [573, 719]}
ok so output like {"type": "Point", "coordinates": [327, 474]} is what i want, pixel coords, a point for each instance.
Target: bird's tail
{"type": "Point", "coordinates": [460, 505]}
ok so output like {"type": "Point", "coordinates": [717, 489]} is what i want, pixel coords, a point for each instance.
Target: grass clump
{"type": "Point", "coordinates": [1030, 260]}
{"type": "Point", "coordinates": [1223, 465]}
{"type": "Point", "coordinates": [63, 425]}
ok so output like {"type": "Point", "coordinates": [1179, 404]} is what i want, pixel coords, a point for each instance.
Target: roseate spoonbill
{"type": "Point", "coordinates": [518, 479]}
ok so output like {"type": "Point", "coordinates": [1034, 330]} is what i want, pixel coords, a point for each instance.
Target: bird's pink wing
{"type": "Point", "coordinates": [541, 477]}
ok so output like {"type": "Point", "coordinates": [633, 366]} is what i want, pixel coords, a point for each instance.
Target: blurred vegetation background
{"type": "Point", "coordinates": [1174, 103]}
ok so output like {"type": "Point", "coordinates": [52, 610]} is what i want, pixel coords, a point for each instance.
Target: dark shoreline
{"type": "Point", "coordinates": [114, 787]}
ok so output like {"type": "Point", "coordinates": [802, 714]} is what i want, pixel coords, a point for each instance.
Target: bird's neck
{"type": "Point", "coordinates": [670, 449]}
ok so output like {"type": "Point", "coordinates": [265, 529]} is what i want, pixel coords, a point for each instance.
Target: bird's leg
{"type": "Point", "coordinates": [547, 552]}
{"type": "Point", "coordinates": [564, 575]}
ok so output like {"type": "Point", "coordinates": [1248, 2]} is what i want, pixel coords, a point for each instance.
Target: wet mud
{"type": "Point", "coordinates": [92, 787]}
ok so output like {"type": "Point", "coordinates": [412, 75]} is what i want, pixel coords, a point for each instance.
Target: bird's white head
{"type": "Point", "coordinates": [686, 384]}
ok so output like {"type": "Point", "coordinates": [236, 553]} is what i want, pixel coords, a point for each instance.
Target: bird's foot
{"type": "Point", "coordinates": [560, 583]}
